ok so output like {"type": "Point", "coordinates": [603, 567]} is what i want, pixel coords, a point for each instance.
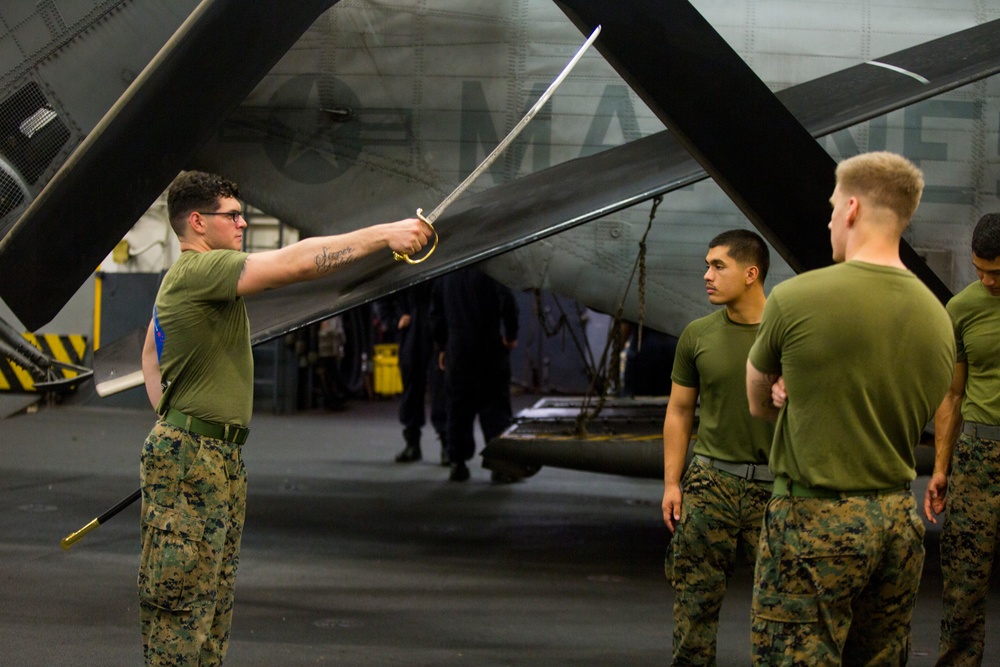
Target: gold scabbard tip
{"type": "Point", "coordinates": [73, 538]}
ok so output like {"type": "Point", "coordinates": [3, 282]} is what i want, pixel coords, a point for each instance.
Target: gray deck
{"type": "Point", "coordinates": [351, 559]}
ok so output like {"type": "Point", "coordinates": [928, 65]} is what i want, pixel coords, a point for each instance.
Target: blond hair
{"type": "Point", "coordinates": [886, 179]}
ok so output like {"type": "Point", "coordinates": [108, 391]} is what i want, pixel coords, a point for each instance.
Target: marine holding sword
{"type": "Point", "coordinates": [198, 372]}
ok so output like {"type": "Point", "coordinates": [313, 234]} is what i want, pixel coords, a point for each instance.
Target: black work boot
{"type": "Point", "coordinates": [411, 452]}
{"type": "Point", "coordinates": [445, 459]}
{"type": "Point", "coordinates": [459, 472]}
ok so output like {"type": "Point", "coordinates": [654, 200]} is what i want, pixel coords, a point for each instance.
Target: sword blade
{"type": "Point", "coordinates": [491, 158]}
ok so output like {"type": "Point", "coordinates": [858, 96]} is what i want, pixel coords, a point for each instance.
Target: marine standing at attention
{"type": "Point", "coordinates": [719, 505]}
{"type": "Point", "coordinates": [969, 536]}
{"type": "Point", "coordinates": [198, 372]}
{"type": "Point", "coordinates": [865, 352]}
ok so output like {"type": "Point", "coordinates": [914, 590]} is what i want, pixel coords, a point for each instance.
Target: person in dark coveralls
{"type": "Point", "coordinates": [715, 512]}
{"type": "Point", "coordinates": [198, 372]}
{"type": "Point", "coordinates": [467, 312]}
{"type": "Point", "coordinates": [972, 494]}
{"type": "Point", "coordinates": [649, 359]}
{"type": "Point", "coordinates": [858, 355]}
{"type": "Point", "coordinates": [419, 368]}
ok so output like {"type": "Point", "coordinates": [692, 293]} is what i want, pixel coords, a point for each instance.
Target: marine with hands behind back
{"type": "Point", "coordinates": [864, 352]}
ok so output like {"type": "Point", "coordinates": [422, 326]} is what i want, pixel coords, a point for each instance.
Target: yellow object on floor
{"type": "Point", "coordinates": [388, 380]}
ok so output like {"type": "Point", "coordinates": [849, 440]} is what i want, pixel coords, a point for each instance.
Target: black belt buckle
{"type": "Point", "coordinates": [751, 472]}
{"type": "Point", "coordinates": [235, 434]}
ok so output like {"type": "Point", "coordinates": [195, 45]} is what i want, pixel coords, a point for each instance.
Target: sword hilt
{"type": "Point", "coordinates": [403, 257]}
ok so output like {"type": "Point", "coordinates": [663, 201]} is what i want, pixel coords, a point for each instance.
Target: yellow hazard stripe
{"type": "Point", "coordinates": [68, 348]}
{"type": "Point", "coordinates": [79, 344]}
{"type": "Point", "coordinates": [21, 379]}
{"type": "Point", "coordinates": [62, 350]}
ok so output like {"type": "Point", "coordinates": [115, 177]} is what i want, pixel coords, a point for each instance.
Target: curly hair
{"type": "Point", "coordinates": [196, 191]}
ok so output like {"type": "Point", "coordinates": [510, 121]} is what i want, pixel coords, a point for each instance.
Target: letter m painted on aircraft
{"type": "Point", "coordinates": [477, 130]}
{"type": "Point", "coordinates": [479, 136]}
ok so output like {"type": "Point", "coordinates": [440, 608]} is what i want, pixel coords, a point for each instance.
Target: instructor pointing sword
{"type": "Point", "coordinates": [198, 372]}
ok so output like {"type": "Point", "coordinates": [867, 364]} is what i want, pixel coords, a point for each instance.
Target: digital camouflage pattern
{"type": "Point", "coordinates": [968, 545]}
{"type": "Point", "coordinates": [193, 508]}
{"type": "Point", "coordinates": [823, 562]}
{"type": "Point", "coordinates": [721, 515]}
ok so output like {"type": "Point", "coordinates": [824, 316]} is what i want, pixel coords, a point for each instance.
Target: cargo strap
{"type": "Point", "coordinates": [228, 432]}
{"type": "Point", "coordinates": [786, 487]}
{"type": "Point", "coordinates": [755, 472]}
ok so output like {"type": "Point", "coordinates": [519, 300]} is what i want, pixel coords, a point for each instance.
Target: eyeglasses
{"type": "Point", "coordinates": [235, 215]}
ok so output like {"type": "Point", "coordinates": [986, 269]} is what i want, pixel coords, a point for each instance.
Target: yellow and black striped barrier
{"type": "Point", "coordinates": [68, 349]}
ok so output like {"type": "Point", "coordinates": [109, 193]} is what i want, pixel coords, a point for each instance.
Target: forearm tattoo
{"type": "Point", "coordinates": [328, 261]}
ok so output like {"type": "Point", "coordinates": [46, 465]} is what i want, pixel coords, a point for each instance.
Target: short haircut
{"type": "Point", "coordinates": [986, 237]}
{"type": "Point", "coordinates": [747, 248]}
{"type": "Point", "coordinates": [887, 179]}
{"type": "Point", "coordinates": [196, 191]}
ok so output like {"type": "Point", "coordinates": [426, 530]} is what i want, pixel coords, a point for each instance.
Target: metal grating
{"type": "Point", "coordinates": [31, 132]}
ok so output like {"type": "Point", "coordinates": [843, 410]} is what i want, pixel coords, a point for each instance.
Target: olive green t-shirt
{"type": "Point", "coordinates": [203, 338]}
{"type": "Point", "coordinates": [976, 316]}
{"type": "Point", "coordinates": [867, 353]}
{"type": "Point", "coordinates": [712, 356]}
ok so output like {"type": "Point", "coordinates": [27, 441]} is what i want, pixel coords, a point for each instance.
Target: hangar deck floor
{"type": "Point", "coordinates": [351, 559]}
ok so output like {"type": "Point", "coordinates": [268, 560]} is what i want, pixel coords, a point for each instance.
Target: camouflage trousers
{"type": "Point", "coordinates": [721, 514]}
{"type": "Point", "coordinates": [824, 563]}
{"type": "Point", "coordinates": [968, 547]}
{"type": "Point", "coordinates": [193, 508]}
